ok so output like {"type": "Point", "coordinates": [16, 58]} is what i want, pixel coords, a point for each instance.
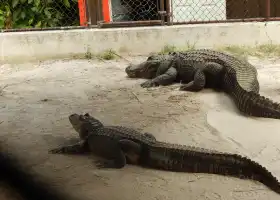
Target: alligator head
{"type": "Point", "coordinates": [147, 69]}
{"type": "Point", "coordinates": [84, 124]}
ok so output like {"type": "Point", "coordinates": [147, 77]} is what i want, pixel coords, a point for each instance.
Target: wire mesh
{"type": "Point", "coordinates": [134, 10]}
{"type": "Point", "coordinates": [216, 10]}
{"type": "Point", "coordinates": [17, 14]}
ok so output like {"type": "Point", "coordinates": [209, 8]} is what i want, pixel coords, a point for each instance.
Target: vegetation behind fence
{"type": "Point", "coordinates": [19, 14]}
{"type": "Point", "coordinates": [38, 13]}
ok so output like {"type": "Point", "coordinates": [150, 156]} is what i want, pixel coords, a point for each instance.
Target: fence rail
{"type": "Point", "coordinates": [19, 15]}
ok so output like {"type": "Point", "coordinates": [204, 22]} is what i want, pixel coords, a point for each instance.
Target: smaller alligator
{"type": "Point", "coordinates": [117, 150]}
{"type": "Point", "coordinates": [87, 125]}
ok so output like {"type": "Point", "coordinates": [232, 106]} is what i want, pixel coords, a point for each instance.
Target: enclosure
{"type": "Point", "coordinates": [57, 58]}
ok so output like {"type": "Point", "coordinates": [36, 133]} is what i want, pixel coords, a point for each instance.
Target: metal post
{"type": "Point", "coordinates": [268, 9]}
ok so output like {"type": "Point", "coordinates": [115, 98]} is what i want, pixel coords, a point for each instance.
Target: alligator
{"type": "Point", "coordinates": [86, 124]}
{"type": "Point", "coordinates": [116, 150]}
{"type": "Point", "coordinates": [20, 180]}
{"type": "Point", "coordinates": [205, 68]}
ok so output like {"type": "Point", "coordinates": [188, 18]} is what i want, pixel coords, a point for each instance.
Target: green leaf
{"type": "Point", "coordinates": [47, 12]}
{"type": "Point", "coordinates": [22, 1]}
{"type": "Point", "coordinates": [16, 14]}
{"type": "Point", "coordinates": [34, 9]}
{"type": "Point", "coordinates": [30, 1]}
{"type": "Point", "coordinates": [22, 15]}
{"type": "Point", "coordinates": [15, 3]}
{"type": "Point", "coordinates": [37, 2]}
{"type": "Point", "coordinates": [66, 3]}
{"type": "Point", "coordinates": [2, 22]}
{"type": "Point", "coordinates": [30, 21]}
{"type": "Point", "coordinates": [38, 25]}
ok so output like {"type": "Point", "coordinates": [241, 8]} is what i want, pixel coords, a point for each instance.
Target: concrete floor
{"type": "Point", "coordinates": [38, 98]}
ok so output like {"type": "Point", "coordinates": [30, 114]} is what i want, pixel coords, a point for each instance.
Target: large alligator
{"type": "Point", "coordinates": [208, 68]}
{"type": "Point", "coordinates": [117, 148]}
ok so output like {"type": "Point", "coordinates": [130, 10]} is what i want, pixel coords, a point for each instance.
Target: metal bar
{"type": "Point", "coordinates": [268, 9]}
{"type": "Point", "coordinates": [168, 12]}
{"type": "Point", "coordinates": [99, 11]}
{"type": "Point", "coordinates": [45, 29]}
{"type": "Point", "coordinates": [129, 24]}
{"type": "Point", "coordinates": [274, 19]}
{"type": "Point", "coordinates": [222, 21]}
{"type": "Point", "coordinates": [162, 12]}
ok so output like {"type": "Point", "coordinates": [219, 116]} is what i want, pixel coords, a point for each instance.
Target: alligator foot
{"type": "Point", "coordinates": [57, 150]}
{"type": "Point", "coordinates": [103, 164]}
{"type": "Point", "coordinates": [190, 87]}
{"type": "Point", "coordinates": [78, 148]}
{"type": "Point", "coordinates": [148, 84]}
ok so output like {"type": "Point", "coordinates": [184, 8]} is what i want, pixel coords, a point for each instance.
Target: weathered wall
{"type": "Point", "coordinates": [27, 46]}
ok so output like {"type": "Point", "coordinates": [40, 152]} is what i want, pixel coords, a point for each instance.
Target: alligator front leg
{"type": "Point", "coordinates": [197, 84]}
{"type": "Point", "coordinates": [164, 79]}
{"type": "Point", "coordinates": [78, 148]}
{"type": "Point", "coordinates": [132, 151]}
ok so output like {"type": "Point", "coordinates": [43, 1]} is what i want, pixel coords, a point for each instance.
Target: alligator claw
{"type": "Point", "coordinates": [57, 150]}
{"type": "Point", "coordinates": [101, 164]}
{"type": "Point", "coordinates": [185, 87]}
{"type": "Point", "coordinates": [148, 84]}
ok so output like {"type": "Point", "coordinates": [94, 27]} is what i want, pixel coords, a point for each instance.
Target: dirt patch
{"type": "Point", "coordinates": [38, 97]}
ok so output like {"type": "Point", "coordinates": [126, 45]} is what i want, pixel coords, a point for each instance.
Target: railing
{"type": "Point", "coordinates": [20, 15]}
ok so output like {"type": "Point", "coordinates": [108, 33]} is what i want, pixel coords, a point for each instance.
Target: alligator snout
{"type": "Point", "coordinates": [130, 72]}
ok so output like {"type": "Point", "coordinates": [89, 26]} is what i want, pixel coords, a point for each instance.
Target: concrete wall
{"type": "Point", "coordinates": [28, 46]}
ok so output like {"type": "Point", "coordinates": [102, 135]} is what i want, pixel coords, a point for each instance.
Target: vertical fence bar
{"type": "Point", "coordinates": [106, 10]}
{"type": "Point", "coordinates": [162, 12]}
{"type": "Point", "coordinates": [168, 12]}
{"type": "Point", "coordinates": [82, 13]}
{"type": "Point", "coordinates": [268, 9]}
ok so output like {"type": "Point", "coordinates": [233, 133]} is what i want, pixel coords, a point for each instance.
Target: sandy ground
{"type": "Point", "coordinates": [38, 98]}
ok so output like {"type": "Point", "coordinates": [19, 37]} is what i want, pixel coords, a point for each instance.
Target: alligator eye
{"type": "Point", "coordinates": [81, 117]}
{"type": "Point", "coordinates": [87, 115]}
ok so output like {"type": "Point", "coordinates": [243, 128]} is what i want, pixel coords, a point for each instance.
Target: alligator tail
{"type": "Point", "coordinates": [249, 103]}
{"type": "Point", "coordinates": [254, 171]}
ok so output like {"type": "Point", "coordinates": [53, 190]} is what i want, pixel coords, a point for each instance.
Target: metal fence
{"type": "Point", "coordinates": [47, 14]}
{"type": "Point", "coordinates": [205, 11]}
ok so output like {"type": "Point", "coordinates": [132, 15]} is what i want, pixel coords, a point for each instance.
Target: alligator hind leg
{"type": "Point", "coordinates": [118, 162]}
{"type": "Point", "coordinates": [109, 150]}
{"type": "Point", "coordinates": [132, 151]}
{"type": "Point", "coordinates": [197, 84]}
{"type": "Point", "coordinates": [210, 75]}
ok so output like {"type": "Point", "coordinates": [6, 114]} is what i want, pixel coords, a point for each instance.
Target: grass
{"type": "Point", "coordinates": [107, 55]}
{"type": "Point", "coordinates": [260, 51]}
{"type": "Point", "coordinates": [171, 48]}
